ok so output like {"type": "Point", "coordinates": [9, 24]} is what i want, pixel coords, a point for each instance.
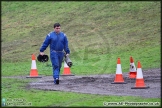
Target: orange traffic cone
{"type": "Point", "coordinates": [139, 79]}
{"type": "Point", "coordinates": [66, 71]}
{"type": "Point", "coordinates": [119, 77]}
{"type": "Point", "coordinates": [33, 71]}
{"type": "Point", "coordinates": [133, 72]}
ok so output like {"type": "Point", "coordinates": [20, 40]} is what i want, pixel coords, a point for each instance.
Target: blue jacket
{"type": "Point", "coordinates": [58, 42]}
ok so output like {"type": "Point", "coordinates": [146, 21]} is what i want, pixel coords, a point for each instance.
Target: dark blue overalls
{"type": "Point", "coordinates": [58, 44]}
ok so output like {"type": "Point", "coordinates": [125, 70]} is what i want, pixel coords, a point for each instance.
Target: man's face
{"type": "Point", "coordinates": [57, 29]}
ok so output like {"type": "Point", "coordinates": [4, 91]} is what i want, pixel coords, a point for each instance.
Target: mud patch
{"type": "Point", "coordinates": [101, 84]}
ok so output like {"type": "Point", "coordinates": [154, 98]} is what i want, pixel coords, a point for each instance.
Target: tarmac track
{"type": "Point", "coordinates": [101, 84]}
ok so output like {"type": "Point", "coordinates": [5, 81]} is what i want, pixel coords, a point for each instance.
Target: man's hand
{"type": "Point", "coordinates": [67, 55]}
{"type": "Point", "coordinates": [41, 53]}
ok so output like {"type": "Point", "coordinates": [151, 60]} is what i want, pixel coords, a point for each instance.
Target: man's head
{"type": "Point", "coordinates": [57, 27]}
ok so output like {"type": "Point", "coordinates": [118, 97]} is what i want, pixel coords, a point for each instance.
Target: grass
{"type": "Point", "coordinates": [98, 33]}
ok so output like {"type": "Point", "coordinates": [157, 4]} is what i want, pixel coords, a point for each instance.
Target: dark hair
{"type": "Point", "coordinates": [56, 25]}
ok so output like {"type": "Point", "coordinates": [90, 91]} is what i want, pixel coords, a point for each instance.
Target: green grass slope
{"type": "Point", "coordinates": [98, 33]}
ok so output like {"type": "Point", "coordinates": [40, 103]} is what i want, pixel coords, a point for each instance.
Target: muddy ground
{"type": "Point", "coordinates": [101, 84]}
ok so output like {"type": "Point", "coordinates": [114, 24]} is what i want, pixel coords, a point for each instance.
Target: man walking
{"type": "Point", "coordinates": [58, 44]}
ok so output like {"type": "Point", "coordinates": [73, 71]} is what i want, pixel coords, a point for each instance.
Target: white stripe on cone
{"type": "Point", "coordinates": [139, 74]}
{"type": "Point", "coordinates": [134, 67]}
{"type": "Point", "coordinates": [33, 65]}
{"type": "Point", "coordinates": [118, 70]}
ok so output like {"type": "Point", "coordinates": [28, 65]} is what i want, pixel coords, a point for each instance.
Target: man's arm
{"type": "Point", "coordinates": [45, 44]}
{"type": "Point", "coordinates": [66, 48]}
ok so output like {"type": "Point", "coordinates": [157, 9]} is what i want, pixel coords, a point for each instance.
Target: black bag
{"type": "Point", "coordinates": [42, 58]}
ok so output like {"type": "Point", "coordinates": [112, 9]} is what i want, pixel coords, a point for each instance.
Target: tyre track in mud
{"type": "Point", "coordinates": [101, 84]}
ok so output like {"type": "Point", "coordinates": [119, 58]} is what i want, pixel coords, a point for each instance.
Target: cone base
{"type": "Point", "coordinates": [33, 77]}
{"type": "Point", "coordinates": [67, 75]}
{"type": "Point", "coordinates": [132, 74]}
{"type": "Point", "coordinates": [140, 87]}
{"type": "Point", "coordinates": [133, 77]}
{"type": "Point", "coordinates": [118, 83]}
